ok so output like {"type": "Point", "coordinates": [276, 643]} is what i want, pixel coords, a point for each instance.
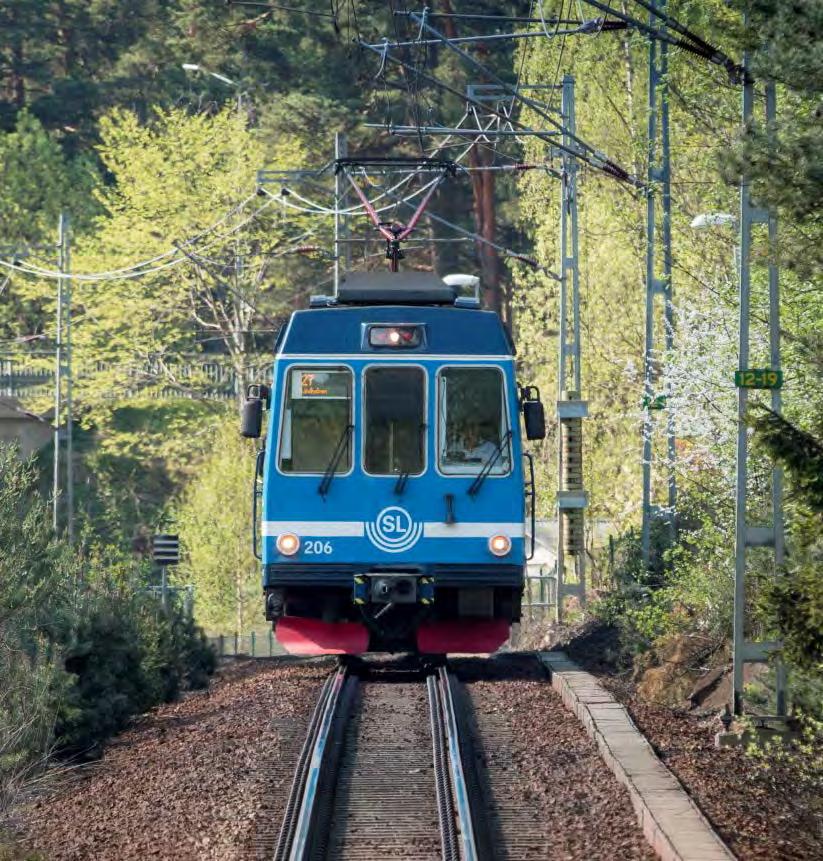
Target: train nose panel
{"type": "Point", "coordinates": [468, 636]}
{"type": "Point", "coordinates": [299, 636]}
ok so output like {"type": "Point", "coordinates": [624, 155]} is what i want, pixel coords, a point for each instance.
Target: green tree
{"type": "Point", "coordinates": [794, 599]}
{"type": "Point", "coordinates": [214, 517]}
{"type": "Point", "coordinates": [174, 178]}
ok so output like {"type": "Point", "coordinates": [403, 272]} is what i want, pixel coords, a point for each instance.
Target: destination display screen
{"type": "Point", "coordinates": [320, 385]}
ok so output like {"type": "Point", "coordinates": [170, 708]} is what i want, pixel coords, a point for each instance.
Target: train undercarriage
{"type": "Point", "coordinates": [393, 611]}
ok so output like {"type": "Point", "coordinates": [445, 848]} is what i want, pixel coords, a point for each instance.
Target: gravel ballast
{"type": "Point", "coordinates": [549, 793]}
{"type": "Point", "coordinates": [207, 778]}
{"type": "Point", "coordinates": [204, 778]}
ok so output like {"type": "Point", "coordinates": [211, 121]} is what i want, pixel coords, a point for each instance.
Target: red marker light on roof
{"type": "Point", "coordinates": [395, 336]}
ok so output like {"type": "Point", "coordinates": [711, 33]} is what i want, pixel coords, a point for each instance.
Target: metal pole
{"type": "Point", "coordinates": [561, 365]}
{"type": "Point", "coordinates": [739, 618]}
{"type": "Point", "coordinates": [571, 498]}
{"type": "Point", "coordinates": [648, 389]}
{"type": "Point", "coordinates": [58, 369]}
{"type": "Point", "coordinates": [164, 586]}
{"type": "Point", "coordinates": [340, 222]}
{"type": "Point", "coordinates": [746, 536]}
{"type": "Point", "coordinates": [69, 413]}
{"type": "Point", "coordinates": [776, 399]}
{"type": "Point", "coordinates": [668, 306]}
{"type": "Point", "coordinates": [659, 182]}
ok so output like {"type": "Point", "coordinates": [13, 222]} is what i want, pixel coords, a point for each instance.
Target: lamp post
{"type": "Point", "coordinates": [707, 220]}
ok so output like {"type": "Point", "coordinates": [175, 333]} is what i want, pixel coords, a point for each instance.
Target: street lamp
{"type": "Point", "coordinates": [707, 220]}
{"type": "Point", "coordinates": [196, 67]}
{"type": "Point", "coordinates": [713, 219]}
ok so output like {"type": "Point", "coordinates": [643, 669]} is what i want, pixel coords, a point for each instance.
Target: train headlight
{"type": "Point", "coordinates": [500, 545]}
{"type": "Point", "coordinates": [288, 543]}
{"type": "Point", "coordinates": [397, 337]}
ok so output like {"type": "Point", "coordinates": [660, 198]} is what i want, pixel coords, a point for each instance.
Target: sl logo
{"type": "Point", "coordinates": [394, 530]}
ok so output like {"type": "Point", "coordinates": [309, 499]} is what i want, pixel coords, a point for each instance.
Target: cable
{"type": "Point", "coordinates": [138, 270]}
{"type": "Point", "coordinates": [596, 159]}
{"type": "Point", "coordinates": [506, 252]}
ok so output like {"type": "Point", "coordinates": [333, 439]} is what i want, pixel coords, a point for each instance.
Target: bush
{"type": "Point", "coordinates": [127, 654]}
{"type": "Point", "coordinates": [82, 646]}
{"type": "Point", "coordinates": [687, 589]}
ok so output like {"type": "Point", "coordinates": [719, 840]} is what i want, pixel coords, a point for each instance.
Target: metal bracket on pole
{"type": "Point", "coordinates": [571, 496]}
{"type": "Point", "coordinates": [658, 245]}
{"type": "Point", "coordinates": [771, 535]}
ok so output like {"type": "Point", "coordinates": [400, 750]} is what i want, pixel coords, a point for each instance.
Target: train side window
{"type": "Point", "coordinates": [317, 410]}
{"type": "Point", "coordinates": [472, 420]}
{"type": "Point", "coordinates": [395, 420]}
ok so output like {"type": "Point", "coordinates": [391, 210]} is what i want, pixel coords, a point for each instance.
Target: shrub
{"type": "Point", "coordinates": [82, 646]}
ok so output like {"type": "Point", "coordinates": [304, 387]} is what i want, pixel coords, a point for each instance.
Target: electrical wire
{"type": "Point", "coordinates": [590, 156]}
{"type": "Point", "coordinates": [138, 270]}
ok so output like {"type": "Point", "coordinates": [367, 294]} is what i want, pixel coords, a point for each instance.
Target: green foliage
{"type": "Point", "coordinates": [82, 648]}
{"type": "Point", "coordinates": [793, 600]}
{"type": "Point", "coordinates": [800, 758]}
{"type": "Point", "coordinates": [687, 588]}
{"type": "Point", "coordinates": [39, 182]}
{"type": "Point", "coordinates": [214, 519]}
{"type": "Point", "coordinates": [126, 654]}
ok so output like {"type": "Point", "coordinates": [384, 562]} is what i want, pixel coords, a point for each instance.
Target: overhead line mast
{"type": "Point", "coordinates": [658, 259]}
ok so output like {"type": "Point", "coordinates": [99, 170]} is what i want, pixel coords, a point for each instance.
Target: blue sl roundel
{"type": "Point", "coordinates": [393, 530]}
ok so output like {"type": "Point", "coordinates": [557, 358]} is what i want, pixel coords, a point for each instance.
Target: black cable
{"type": "Point", "coordinates": [606, 164]}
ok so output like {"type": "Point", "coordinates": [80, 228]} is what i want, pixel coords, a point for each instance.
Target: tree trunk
{"type": "Point", "coordinates": [485, 211]}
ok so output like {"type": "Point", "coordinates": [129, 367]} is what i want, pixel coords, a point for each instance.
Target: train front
{"type": "Point", "coordinates": [393, 495]}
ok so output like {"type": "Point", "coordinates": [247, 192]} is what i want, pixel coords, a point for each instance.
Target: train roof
{"type": "Point", "coordinates": [343, 330]}
{"type": "Point", "coordinates": [396, 288]}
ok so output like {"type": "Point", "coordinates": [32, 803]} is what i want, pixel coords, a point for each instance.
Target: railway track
{"type": "Point", "coordinates": [381, 772]}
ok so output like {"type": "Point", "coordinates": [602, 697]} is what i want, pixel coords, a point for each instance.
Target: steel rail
{"type": "Point", "coordinates": [304, 829]}
{"type": "Point", "coordinates": [292, 842]}
{"type": "Point", "coordinates": [442, 779]}
{"type": "Point", "coordinates": [459, 787]}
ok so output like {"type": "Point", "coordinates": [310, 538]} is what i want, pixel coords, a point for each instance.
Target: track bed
{"type": "Point", "coordinates": [385, 800]}
{"type": "Point", "coordinates": [208, 778]}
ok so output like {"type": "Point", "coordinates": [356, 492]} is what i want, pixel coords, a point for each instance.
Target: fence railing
{"type": "Point", "coordinates": [212, 379]}
{"type": "Point", "coordinates": [252, 645]}
{"type": "Point", "coordinates": [540, 595]}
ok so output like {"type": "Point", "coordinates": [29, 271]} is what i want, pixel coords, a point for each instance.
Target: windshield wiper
{"type": "Point", "coordinates": [489, 464]}
{"type": "Point", "coordinates": [403, 477]}
{"type": "Point", "coordinates": [331, 469]}
{"type": "Point", "coordinates": [400, 485]}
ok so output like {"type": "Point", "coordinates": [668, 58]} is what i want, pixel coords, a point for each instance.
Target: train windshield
{"type": "Point", "coordinates": [395, 421]}
{"type": "Point", "coordinates": [316, 419]}
{"type": "Point", "coordinates": [473, 421]}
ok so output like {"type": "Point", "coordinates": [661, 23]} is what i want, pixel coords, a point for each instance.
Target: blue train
{"type": "Point", "coordinates": [393, 481]}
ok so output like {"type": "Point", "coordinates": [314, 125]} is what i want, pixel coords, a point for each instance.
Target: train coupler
{"type": "Point", "coordinates": [392, 588]}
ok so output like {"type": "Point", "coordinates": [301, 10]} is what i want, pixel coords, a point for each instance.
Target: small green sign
{"type": "Point", "coordinates": [658, 402]}
{"type": "Point", "coordinates": [759, 378]}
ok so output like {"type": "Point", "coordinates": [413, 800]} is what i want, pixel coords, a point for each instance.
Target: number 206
{"type": "Point", "coordinates": [318, 547]}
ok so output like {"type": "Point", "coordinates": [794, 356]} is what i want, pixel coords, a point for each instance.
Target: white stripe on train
{"type": "Point", "coordinates": [357, 529]}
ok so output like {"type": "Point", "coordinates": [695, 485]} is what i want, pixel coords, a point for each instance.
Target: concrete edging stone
{"type": "Point", "coordinates": [672, 823]}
